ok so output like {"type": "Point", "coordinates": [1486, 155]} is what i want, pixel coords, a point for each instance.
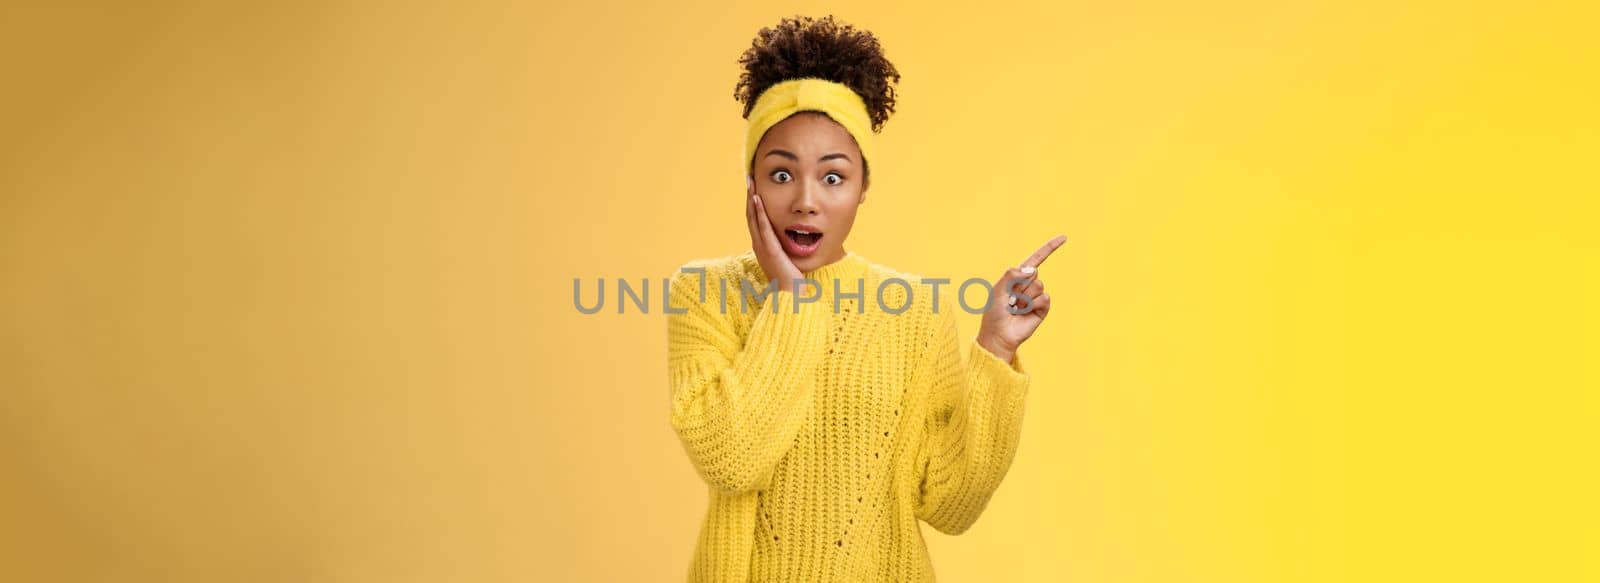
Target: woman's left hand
{"type": "Point", "coordinates": [1017, 305]}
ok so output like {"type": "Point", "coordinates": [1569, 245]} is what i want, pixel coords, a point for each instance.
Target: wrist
{"type": "Point", "coordinates": [998, 348]}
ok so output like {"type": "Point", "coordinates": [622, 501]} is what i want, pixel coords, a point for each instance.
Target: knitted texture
{"type": "Point", "coordinates": [824, 437]}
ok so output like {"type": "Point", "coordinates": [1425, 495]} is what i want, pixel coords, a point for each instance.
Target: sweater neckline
{"type": "Point", "coordinates": [849, 267]}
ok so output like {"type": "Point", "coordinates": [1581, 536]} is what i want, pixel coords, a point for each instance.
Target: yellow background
{"type": "Point", "coordinates": [285, 289]}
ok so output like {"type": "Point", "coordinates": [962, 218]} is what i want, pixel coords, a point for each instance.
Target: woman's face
{"type": "Point", "coordinates": [810, 177]}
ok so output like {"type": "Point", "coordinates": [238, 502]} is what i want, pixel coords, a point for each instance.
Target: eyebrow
{"type": "Point", "coordinates": [791, 156]}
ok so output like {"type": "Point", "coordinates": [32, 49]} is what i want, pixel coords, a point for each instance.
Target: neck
{"type": "Point", "coordinates": [846, 266]}
{"type": "Point", "coordinates": [847, 269]}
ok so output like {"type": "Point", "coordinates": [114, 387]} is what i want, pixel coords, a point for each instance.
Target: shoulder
{"type": "Point", "coordinates": [923, 303]}
{"type": "Point", "coordinates": [713, 271]}
{"type": "Point", "coordinates": [917, 309]}
{"type": "Point", "coordinates": [699, 285]}
{"type": "Point", "coordinates": [736, 264]}
{"type": "Point", "coordinates": [920, 293]}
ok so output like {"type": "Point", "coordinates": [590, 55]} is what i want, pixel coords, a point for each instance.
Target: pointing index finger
{"type": "Point", "coordinates": [1044, 252]}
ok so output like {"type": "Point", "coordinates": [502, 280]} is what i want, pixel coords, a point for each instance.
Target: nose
{"type": "Point", "coordinates": [806, 202]}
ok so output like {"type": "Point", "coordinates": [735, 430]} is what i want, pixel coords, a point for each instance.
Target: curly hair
{"type": "Point", "coordinates": [824, 48]}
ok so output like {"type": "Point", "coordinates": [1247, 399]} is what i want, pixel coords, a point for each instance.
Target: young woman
{"type": "Point", "coordinates": [833, 412]}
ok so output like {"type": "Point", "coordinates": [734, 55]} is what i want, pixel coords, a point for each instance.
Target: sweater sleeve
{"type": "Point", "coordinates": [973, 427]}
{"type": "Point", "coordinates": [737, 405]}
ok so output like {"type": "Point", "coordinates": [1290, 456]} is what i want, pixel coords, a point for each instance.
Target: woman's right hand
{"type": "Point", "coordinates": [774, 261]}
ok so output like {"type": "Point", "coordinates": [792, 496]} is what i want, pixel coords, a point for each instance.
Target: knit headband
{"type": "Point", "coordinates": [784, 99]}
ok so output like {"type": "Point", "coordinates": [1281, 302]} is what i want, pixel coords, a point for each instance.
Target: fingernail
{"type": "Point", "coordinates": [1029, 270]}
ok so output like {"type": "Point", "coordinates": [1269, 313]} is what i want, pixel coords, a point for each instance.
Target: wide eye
{"type": "Point", "coordinates": [833, 179]}
{"type": "Point", "coordinates": [781, 176]}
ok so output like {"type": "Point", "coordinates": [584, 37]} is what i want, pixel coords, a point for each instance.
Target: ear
{"type": "Point", "coordinates": [865, 184]}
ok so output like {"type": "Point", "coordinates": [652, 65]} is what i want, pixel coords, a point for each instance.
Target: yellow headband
{"type": "Point", "coordinates": [784, 99]}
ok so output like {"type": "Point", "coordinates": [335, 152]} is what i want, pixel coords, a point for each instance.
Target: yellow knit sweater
{"type": "Point", "coordinates": [824, 437]}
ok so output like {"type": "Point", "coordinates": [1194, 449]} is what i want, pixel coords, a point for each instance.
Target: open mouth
{"type": "Point", "coordinates": [801, 240]}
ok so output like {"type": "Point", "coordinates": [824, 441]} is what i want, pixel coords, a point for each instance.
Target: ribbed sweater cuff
{"type": "Point", "coordinates": [1007, 383]}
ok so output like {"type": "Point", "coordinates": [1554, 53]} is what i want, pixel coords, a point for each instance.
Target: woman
{"type": "Point", "coordinates": [831, 413]}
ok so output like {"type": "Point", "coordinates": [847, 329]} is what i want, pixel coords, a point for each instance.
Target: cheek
{"type": "Point", "coordinates": [775, 197]}
{"type": "Point", "coordinates": [845, 211]}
